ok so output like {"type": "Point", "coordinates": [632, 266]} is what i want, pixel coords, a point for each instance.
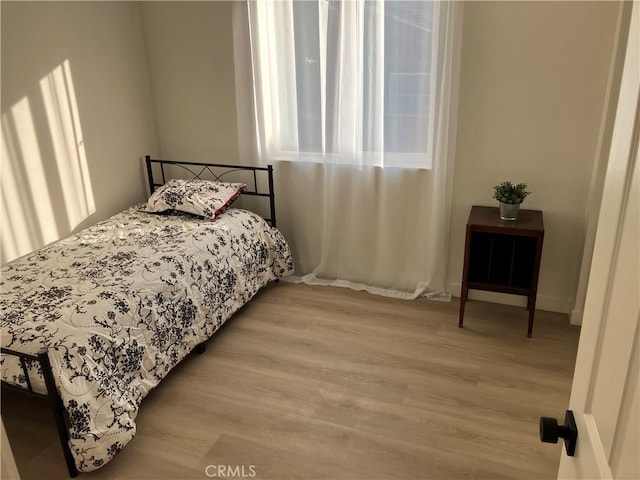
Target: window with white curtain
{"type": "Point", "coordinates": [349, 82]}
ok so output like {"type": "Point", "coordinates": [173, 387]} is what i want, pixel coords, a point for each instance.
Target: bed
{"type": "Point", "coordinates": [97, 320]}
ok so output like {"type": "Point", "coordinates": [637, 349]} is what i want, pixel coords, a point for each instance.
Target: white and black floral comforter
{"type": "Point", "coordinates": [121, 303]}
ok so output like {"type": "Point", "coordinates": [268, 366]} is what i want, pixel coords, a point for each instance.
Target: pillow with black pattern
{"type": "Point", "coordinates": [199, 197]}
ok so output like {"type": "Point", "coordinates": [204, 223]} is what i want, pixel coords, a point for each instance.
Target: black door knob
{"type": "Point", "coordinates": [550, 431]}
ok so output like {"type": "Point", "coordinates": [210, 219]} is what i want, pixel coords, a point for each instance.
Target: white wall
{"type": "Point", "coordinates": [531, 100]}
{"type": "Point", "coordinates": [602, 156]}
{"type": "Point", "coordinates": [532, 92]}
{"type": "Point", "coordinates": [190, 51]}
{"type": "Point", "coordinates": [77, 117]}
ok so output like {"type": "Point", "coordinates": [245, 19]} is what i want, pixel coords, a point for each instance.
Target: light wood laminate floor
{"type": "Point", "coordinates": [328, 383]}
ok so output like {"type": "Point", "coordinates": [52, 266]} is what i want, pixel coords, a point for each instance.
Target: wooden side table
{"type": "Point", "coordinates": [502, 255]}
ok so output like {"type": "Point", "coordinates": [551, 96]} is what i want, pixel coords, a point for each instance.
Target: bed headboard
{"type": "Point", "coordinates": [259, 180]}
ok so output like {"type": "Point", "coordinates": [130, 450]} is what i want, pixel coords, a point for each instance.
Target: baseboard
{"type": "Point", "coordinates": [576, 317]}
{"type": "Point", "coordinates": [543, 302]}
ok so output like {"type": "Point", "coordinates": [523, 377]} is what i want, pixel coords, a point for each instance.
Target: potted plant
{"type": "Point", "coordinates": [510, 197]}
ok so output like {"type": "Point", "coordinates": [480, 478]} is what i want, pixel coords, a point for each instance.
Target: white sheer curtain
{"type": "Point", "coordinates": [354, 101]}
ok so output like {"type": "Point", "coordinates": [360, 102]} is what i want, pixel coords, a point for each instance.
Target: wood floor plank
{"type": "Point", "coordinates": [327, 383]}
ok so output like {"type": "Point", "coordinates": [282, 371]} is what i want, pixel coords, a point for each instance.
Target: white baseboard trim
{"type": "Point", "coordinates": [576, 317]}
{"type": "Point", "coordinates": [543, 302]}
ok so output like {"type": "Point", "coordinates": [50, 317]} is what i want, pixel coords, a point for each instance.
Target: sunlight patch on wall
{"type": "Point", "coordinates": [24, 183]}
{"type": "Point", "coordinates": [46, 187]}
{"type": "Point", "coordinates": [18, 236]}
{"type": "Point", "coordinates": [66, 134]}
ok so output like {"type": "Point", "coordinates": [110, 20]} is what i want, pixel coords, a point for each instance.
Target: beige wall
{"type": "Point", "coordinates": [531, 97]}
{"type": "Point", "coordinates": [77, 118]}
{"type": "Point", "coordinates": [602, 155]}
{"type": "Point", "coordinates": [532, 90]}
{"type": "Point", "coordinates": [190, 51]}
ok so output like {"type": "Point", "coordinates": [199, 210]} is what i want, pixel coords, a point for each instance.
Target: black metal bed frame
{"type": "Point", "coordinates": [197, 170]}
{"type": "Point", "coordinates": [55, 402]}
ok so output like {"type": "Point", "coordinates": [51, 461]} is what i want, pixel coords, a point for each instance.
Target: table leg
{"type": "Point", "coordinates": [531, 304]}
{"type": "Point", "coordinates": [463, 300]}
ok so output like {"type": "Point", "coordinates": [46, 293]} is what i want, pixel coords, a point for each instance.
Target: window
{"type": "Point", "coordinates": [352, 82]}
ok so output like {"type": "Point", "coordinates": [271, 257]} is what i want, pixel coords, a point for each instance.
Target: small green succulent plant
{"type": "Point", "coordinates": [507, 192]}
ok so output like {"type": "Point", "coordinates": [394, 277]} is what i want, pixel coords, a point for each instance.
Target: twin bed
{"type": "Point", "coordinates": [97, 320]}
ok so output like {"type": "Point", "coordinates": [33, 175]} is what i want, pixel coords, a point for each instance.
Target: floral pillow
{"type": "Point", "coordinates": [199, 197]}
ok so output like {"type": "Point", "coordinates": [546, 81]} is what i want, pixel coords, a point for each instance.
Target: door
{"type": "Point", "coordinates": [604, 397]}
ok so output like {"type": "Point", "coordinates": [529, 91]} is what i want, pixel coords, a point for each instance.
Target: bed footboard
{"type": "Point", "coordinates": [55, 402]}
